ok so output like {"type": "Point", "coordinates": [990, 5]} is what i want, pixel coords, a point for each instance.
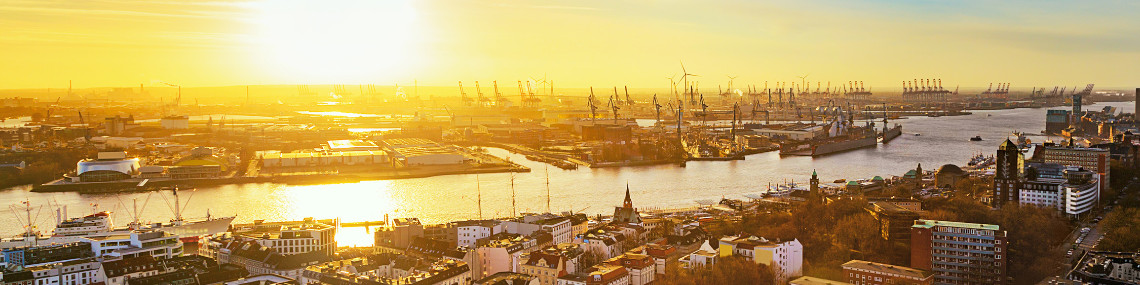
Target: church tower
{"type": "Point", "coordinates": [815, 192]}
{"type": "Point", "coordinates": [627, 214]}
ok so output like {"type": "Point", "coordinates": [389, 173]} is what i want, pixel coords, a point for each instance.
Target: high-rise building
{"type": "Point", "coordinates": [1076, 110]}
{"type": "Point", "coordinates": [1069, 189]}
{"type": "Point", "coordinates": [959, 253]}
{"type": "Point", "coordinates": [1007, 174]}
{"type": "Point", "coordinates": [1092, 159]}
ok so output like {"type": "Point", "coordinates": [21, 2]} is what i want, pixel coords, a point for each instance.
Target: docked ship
{"type": "Point", "coordinates": [842, 135]}
{"type": "Point", "coordinates": [891, 133]}
{"type": "Point", "coordinates": [101, 224]}
{"type": "Point", "coordinates": [187, 230]}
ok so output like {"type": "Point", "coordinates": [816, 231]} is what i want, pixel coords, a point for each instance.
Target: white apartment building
{"type": "Point", "coordinates": [784, 258]}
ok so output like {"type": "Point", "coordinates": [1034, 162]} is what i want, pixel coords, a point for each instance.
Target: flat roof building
{"type": "Point", "coordinates": [960, 253]}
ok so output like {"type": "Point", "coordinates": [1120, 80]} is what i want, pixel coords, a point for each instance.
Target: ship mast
{"type": "Point", "coordinates": [514, 209]}
{"type": "Point", "coordinates": [30, 230]}
{"type": "Point", "coordinates": [177, 206]}
{"type": "Point", "coordinates": [547, 169]}
{"type": "Point", "coordinates": [479, 194]}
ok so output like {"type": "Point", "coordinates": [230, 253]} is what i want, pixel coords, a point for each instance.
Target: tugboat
{"type": "Point", "coordinates": [976, 139]}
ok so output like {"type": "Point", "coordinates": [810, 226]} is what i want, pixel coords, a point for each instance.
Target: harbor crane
{"type": "Point", "coordinates": [615, 107]}
{"type": "Point", "coordinates": [628, 100]}
{"type": "Point", "coordinates": [673, 86]}
{"type": "Point", "coordinates": [466, 100]}
{"type": "Point", "coordinates": [86, 130]}
{"type": "Point", "coordinates": [657, 107]}
{"type": "Point", "coordinates": [479, 91]}
{"type": "Point", "coordinates": [593, 106]}
{"type": "Point", "coordinates": [177, 100]}
{"type": "Point", "coordinates": [499, 99]}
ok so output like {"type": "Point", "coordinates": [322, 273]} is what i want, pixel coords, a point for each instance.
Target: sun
{"type": "Point", "coordinates": [354, 41]}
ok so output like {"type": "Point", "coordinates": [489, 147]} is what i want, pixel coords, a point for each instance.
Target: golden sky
{"type": "Point", "coordinates": [45, 43]}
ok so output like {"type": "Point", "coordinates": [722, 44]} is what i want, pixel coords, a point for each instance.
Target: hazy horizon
{"type": "Point", "coordinates": [573, 43]}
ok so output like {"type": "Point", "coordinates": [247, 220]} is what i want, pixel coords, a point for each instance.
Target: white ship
{"type": "Point", "coordinates": [101, 224]}
{"type": "Point", "coordinates": [187, 230]}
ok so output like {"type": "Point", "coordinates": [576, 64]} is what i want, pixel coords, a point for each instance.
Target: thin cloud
{"type": "Point", "coordinates": [97, 11]}
{"type": "Point", "coordinates": [558, 7]}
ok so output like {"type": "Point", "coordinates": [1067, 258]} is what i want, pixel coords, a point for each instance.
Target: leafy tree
{"type": "Point", "coordinates": [728, 270]}
{"type": "Point", "coordinates": [590, 258]}
{"type": "Point", "coordinates": [1119, 230]}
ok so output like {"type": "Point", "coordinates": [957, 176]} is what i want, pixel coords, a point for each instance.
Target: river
{"type": "Point", "coordinates": [439, 199]}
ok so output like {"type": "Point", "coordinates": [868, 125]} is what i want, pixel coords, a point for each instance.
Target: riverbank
{"type": "Point", "coordinates": [132, 185]}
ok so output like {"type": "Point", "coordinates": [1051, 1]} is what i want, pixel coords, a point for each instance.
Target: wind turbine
{"type": "Point", "coordinates": [803, 79]}
{"type": "Point", "coordinates": [685, 77]}
{"type": "Point", "coordinates": [730, 78]}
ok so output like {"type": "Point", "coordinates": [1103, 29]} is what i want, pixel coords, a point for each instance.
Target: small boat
{"type": "Point", "coordinates": [976, 139]}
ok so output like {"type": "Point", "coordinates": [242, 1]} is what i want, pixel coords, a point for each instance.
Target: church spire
{"type": "Point", "coordinates": [628, 202]}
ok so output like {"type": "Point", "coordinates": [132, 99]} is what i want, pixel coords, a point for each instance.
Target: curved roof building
{"type": "Point", "coordinates": [107, 168]}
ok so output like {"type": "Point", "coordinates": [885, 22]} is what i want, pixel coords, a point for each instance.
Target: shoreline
{"type": "Point", "coordinates": [310, 179]}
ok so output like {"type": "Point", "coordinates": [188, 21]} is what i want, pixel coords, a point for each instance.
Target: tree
{"type": "Point", "coordinates": [727, 270]}
{"type": "Point", "coordinates": [591, 257]}
{"type": "Point", "coordinates": [1119, 231]}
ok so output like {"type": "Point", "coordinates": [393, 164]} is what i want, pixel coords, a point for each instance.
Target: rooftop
{"type": "Point", "coordinates": [932, 223]}
{"type": "Point", "coordinates": [506, 278]}
{"type": "Point", "coordinates": [808, 280]}
{"type": "Point", "coordinates": [349, 144]}
{"type": "Point", "coordinates": [887, 269]}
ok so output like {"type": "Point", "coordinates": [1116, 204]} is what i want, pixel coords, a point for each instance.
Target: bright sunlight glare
{"type": "Point", "coordinates": [352, 41]}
